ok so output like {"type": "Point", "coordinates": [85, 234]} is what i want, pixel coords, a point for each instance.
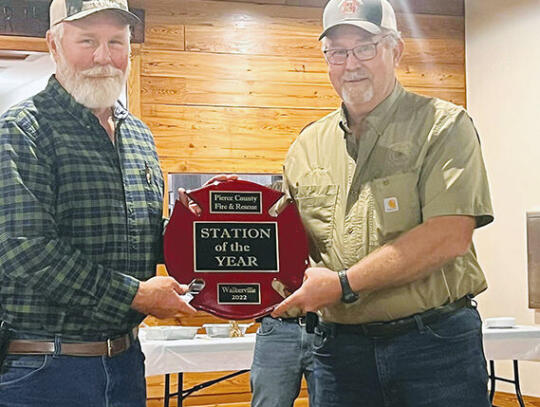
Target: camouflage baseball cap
{"type": "Point", "coordinates": [70, 10]}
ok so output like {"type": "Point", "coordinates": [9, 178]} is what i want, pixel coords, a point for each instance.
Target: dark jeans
{"type": "Point", "coordinates": [440, 365]}
{"type": "Point", "coordinates": [69, 381]}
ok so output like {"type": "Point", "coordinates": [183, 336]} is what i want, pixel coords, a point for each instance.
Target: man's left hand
{"type": "Point", "coordinates": [321, 287]}
{"type": "Point", "coordinates": [193, 207]}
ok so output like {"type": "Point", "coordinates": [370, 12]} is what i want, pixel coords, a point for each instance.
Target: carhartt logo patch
{"type": "Point", "coordinates": [391, 205]}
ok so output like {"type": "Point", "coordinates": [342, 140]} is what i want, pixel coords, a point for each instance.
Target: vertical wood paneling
{"type": "Point", "coordinates": [226, 87]}
{"type": "Point", "coordinates": [134, 82]}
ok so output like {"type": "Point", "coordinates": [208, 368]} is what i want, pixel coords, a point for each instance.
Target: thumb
{"type": "Point", "coordinates": [179, 288]}
{"type": "Point", "coordinates": [280, 288]}
{"type": "Point", "coordinates": [182, 197]}
{"type": "Point", "coordinates": [183, 307]}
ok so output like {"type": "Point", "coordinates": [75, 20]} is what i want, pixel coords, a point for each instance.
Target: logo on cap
{"type": "Point", "coordinates": [350, 7]}
{"type": "Point", "coordinates": [74, 6]}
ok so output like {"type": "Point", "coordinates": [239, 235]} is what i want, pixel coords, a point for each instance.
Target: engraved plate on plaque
{"type": "Point", "coordinates": [235, 246]}
{"type": "Point", "coordinates": [239, 293]}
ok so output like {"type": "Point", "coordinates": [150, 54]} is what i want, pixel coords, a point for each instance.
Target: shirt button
{"type": "Point", "coordinates": [386, 182]}
{"type": "Point", "coordinates": [350, 231]}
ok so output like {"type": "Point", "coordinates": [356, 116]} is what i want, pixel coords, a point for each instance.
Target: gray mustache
{"type": "Point", "coordinates": [355, 76]}
{"type": "Point", "coordinates": [102, 71]}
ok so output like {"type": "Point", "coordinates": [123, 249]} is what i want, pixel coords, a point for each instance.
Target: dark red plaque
{"type": "Point", "coordinates": [237, 248]}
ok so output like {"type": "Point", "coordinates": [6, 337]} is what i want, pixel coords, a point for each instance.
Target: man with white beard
{"type": "Point", "coordinates": [80, 224]}
{"type": "Point", "coordinates": [390, 188]}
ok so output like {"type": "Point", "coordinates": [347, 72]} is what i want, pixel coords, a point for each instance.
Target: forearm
{"type": "Point", "coordinates": [414, 255]}
{"type": "Point", "coordinates": [66, 277]}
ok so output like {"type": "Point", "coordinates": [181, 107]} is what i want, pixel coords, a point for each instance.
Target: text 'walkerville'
{"type": "Point", "coordinates": [238, 290]}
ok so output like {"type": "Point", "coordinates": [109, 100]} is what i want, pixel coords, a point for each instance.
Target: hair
{"type": "Point", "coordinates": [393, 37]}
{"type": "Point", "coordinates": [57, 31]}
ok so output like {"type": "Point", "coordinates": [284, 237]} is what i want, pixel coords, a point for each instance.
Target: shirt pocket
{"type": "Point", "coordinates": [396, 204]}
{"type": "Point", "coordinates": [317, 206]}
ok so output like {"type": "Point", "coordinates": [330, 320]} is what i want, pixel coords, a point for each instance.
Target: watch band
{"type": "Point", "coordinates": [347, 294]}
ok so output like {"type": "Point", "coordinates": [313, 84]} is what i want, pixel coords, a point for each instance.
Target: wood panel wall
{"type": "Point", "coordinates": [226, 87]}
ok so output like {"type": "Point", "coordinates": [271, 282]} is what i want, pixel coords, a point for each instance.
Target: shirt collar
{"type": "Point", "coordinates": [379, 117]}
{"type": "Point", "coordinates": [119, 111]}
{"type": "Point", "coordinates": [343, 123]}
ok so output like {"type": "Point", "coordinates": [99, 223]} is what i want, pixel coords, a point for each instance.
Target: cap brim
{"type": "Point", "coordinates": [130, 17]}
{"type": "Point", "coordinates": [364, 25]}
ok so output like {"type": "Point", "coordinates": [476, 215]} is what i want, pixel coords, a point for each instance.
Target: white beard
{"type": "Point", "coordinates": [96, 88]}
{"type": "Point", "coordinates": [357, 94]}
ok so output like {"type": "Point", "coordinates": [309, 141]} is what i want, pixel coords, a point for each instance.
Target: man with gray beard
{"type": "Point", "coordinates": [80, 224]}
{"type": "Point", "coordinates": [390, 188]}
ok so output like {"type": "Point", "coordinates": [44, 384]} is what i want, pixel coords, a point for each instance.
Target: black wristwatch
{"type": "Point", "coordinates": [347, 294]}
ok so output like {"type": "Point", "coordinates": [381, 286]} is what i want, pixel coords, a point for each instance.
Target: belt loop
{"type": "Point", "coordinates": [419, 323]}
{"type": "Point", "coordinates": [57, 345]}
{"type": "Point", "coordinates": [365, 329]}
{"type": "Point", "coordinates": [109, 348]}
{"type": "Point", "coordinates": [131, 335]}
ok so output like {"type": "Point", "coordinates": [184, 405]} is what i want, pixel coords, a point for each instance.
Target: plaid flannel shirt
{"type": "Point", "coordinates": [80, 218]}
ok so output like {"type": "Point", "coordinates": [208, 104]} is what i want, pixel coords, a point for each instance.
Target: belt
{"type": "Point", "coordinates": [301, 320]}
{"type": "Point", "coordinates": [397, 326]}
{"type": "Point", "coordinates": [109, 347]}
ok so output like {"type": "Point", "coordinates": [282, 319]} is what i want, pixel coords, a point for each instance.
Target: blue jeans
{"type": "Point", "coordinates": [283, 353]}
{"type": "Point", "coordinates": [70, 381]}
{"type": "Point", "coordinates": [440, 365]}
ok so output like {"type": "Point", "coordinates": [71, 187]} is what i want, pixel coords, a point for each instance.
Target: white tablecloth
{"type": "Point", "coordinates": [204, 354]}
{"type": "Point", "coordinates": [518, 343]}
{"type": "Point", "coordinates": [201, 354]}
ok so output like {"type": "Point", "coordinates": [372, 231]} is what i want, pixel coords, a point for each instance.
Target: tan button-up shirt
{"type": "Point", "coordinates": [415, 158]}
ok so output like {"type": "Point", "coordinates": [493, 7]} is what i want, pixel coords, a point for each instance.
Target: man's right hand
{"type": "Point", "coordinates": [160, 297]}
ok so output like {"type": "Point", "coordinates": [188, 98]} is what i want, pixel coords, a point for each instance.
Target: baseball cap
{"type": "Point", "coordinates": [70, 10]}
{"type": "Point", "coordinates": [370, 15]}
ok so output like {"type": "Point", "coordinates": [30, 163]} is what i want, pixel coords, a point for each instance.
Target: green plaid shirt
{"type": "Point", "coordinates": [80, 218]}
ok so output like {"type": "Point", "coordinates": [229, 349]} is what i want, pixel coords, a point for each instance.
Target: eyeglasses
{"type": "Point", "coordinates": [363, 52]}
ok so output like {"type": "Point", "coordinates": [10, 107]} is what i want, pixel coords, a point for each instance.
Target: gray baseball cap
{"type": "Point", "coordinates": [70, 10]}
{"type": "Point", "coordinates": [370, 15]}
